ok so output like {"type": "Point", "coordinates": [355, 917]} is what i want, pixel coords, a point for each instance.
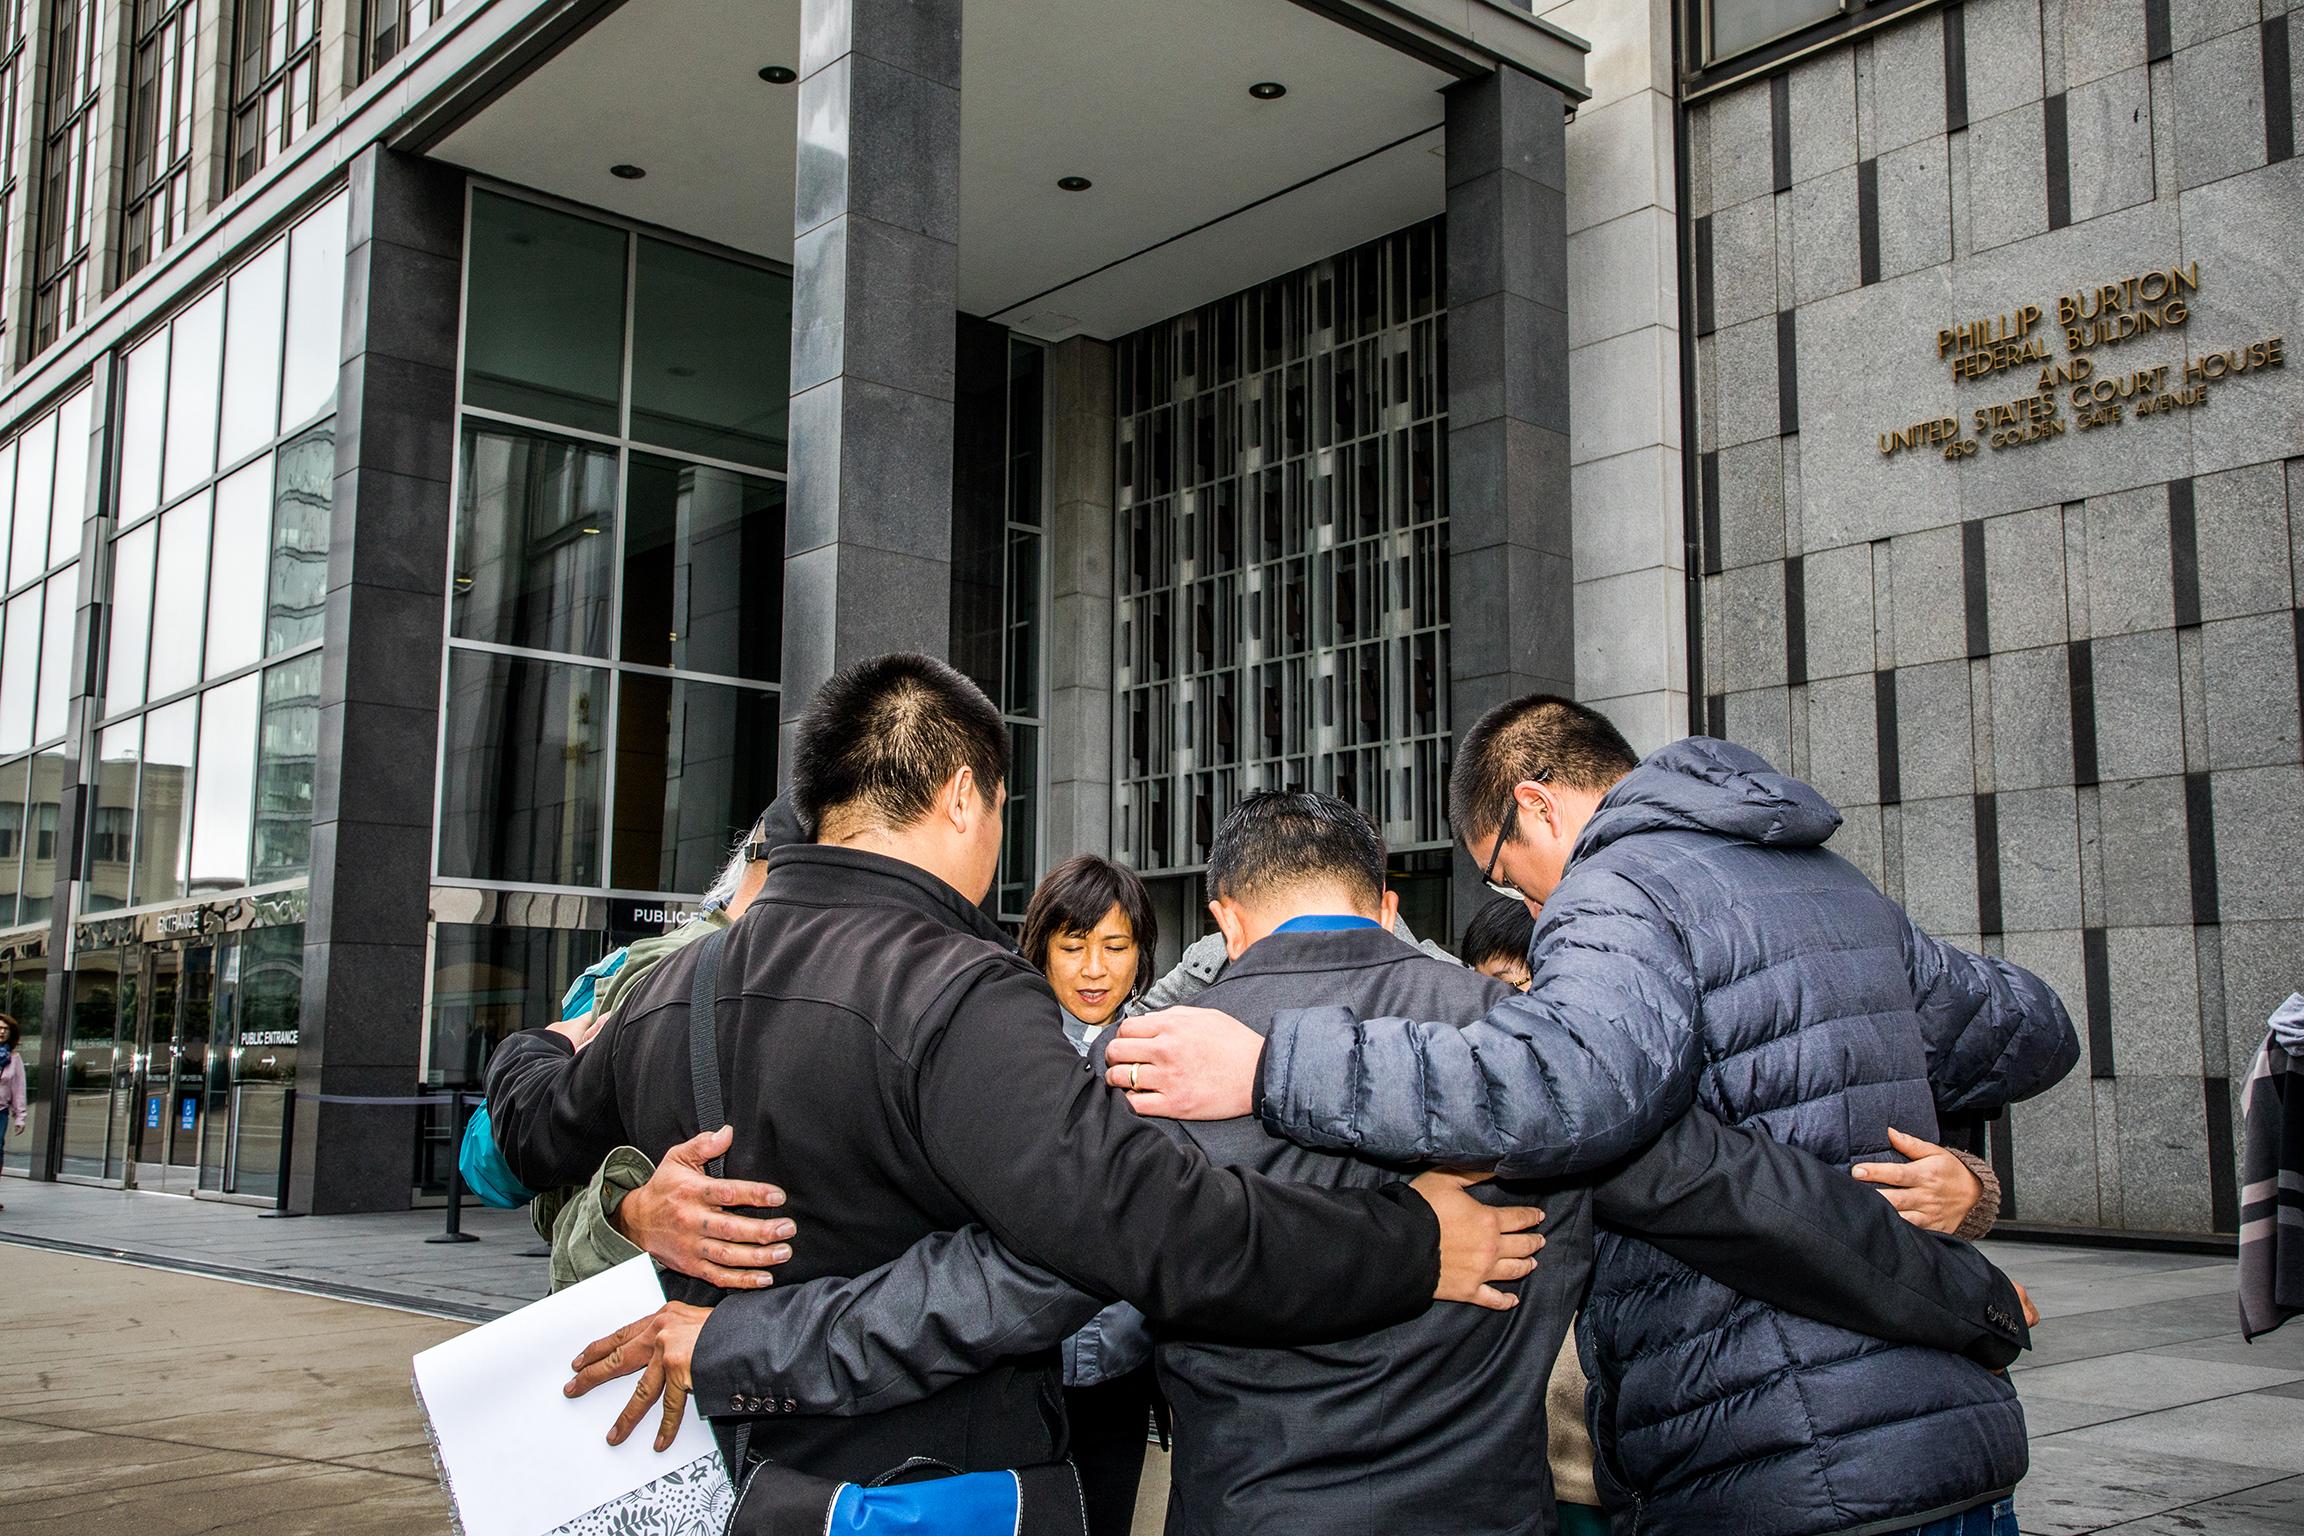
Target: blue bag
{"type": "Point", "coordinates": [484, 1169]}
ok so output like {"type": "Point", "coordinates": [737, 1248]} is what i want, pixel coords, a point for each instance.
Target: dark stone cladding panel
{"type": "Point", "coordinates": [2056, 118]}
{"type": "Point", "coordinates": [2279, 92]}
{"type": "Point", "coordinates": [369, 905]}
{"type": "Point", "coordinates": [1955, 69]}
{"type": "Point", "coordinates": [1511, 592]}
{"type": "Point", "coordinates": [874, 299]}
{"type": "Point", "coordinates": [2223, 1156]}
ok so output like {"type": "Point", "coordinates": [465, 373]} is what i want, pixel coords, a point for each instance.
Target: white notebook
{"type": "Point", "coordinates": [520, 1459]}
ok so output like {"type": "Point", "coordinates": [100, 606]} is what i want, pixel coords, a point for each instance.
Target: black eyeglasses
{"type": "Point", "coordinates": [1506, 888]}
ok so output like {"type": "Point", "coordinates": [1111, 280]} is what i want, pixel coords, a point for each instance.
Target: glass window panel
{"type": "Point", "coordinates": [268, 985]}
{"type": "Point", "coordinates": [43, 816]}
{"type": "Point", "coordinates": [224, 785]}
{"type": "Point", "coordinates": [711, 355]}
{"type": "Point", "coordinates": [287, 745]}
{"type": "Point", "coordinates": [1020, 825]}
{"type": "Point", "coordinates": [131, 617]}
{"type": "Point", "coordinates": [26, 998]}
{"type": "Point", "coordinates": [533, 541]}
{"type": "Point", "coordinates": [236, 583]}
{"type": "Point", "coordinates": [315, 345]}
{"type": "Point", "coordinates": [112, 816]}
{"type": "Point", "coordinates": [179, 594]}
{"type": "Point", "coordinates": [488, 983]}
{"type": "Point", "coordinates": [97, 1069]}
{"type": "Point", "coordinates": [695, 766]}
{"type": "Point", "coordinates": [163, 795]}
{"type": "Point", "coordinates": [56, 656]}
{"type": "Point", "coordinates": [7, 493]}
{"type": "Point", "coordinates": [521, 777]}
{"type": "Point", "coordinates": [252, 322]}
{"type": "Point", "coordinates": [144, 404]}
{"type": "Point", "coordinates": [35, 472]}
{"type": "Point", "coordinates": [303, 481]}
{"type": "Point", "coordinates": [544, 315]}
{"type": "Point", "coordinates": [19, 670]}
{"type": "Point", "coordinates": [193, 364]}
{"type": "Point", "coordinates": [1738, 25]}
{"type": "Point", "coordinates": [703, 569]}
{"type": "Point", "coordinates": [14, 824]}
{"type": "Point", "coordinates": [69, 506]}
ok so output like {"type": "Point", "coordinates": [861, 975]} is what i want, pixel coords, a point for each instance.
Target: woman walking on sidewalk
{"type": "Point", "coordinates": [11, 1080]}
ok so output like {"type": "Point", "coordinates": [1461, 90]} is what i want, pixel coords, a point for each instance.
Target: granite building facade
{"type": "Point", "coordinates": [2001, 523]}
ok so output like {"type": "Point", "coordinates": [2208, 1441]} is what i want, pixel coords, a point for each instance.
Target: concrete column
{"type": "Point", "coordinates": [876, 219]}
{"type": "Point", "coordinates": [1079, 445]}
{"type": "Point", "coordinates": [91, 603]}
{"type": "Point", "coordinates": [364, 940]}
{"type": "Point", "coordinates": [1509, 528]}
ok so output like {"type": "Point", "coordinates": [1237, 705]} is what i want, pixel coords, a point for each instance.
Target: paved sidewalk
{"type": "Point", "coordinates": [138, 1403]}
{"type": "Point", "coordinates": [2149, 1415]}
{"type": "Point", "coordinates": [381, 1257]}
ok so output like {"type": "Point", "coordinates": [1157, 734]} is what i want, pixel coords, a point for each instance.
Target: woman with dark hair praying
{"type": "Point", "coordinates": [1091, 932]}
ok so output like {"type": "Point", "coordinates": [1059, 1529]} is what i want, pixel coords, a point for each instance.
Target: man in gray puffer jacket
{"type": "Point", "coordinates": [1698, 943]}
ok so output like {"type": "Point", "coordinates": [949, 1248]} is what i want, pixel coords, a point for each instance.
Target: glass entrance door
{"type": "Point", "coordinates": [172, 1057]}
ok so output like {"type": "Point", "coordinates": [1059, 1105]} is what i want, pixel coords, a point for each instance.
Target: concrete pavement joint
{"type": "Point", "coordinates": [447, 1311]}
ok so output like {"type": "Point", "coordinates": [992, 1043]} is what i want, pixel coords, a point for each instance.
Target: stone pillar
{"type": "Point", "coordinates": [91, 605]}
{"type": "Point", "coordinates": [1512, 628]}
{"type": "Point", "coordinates": [1079, 647]}
{"type": "Point", "coordinates": [875, 268]}
{"type": "Point", "coordinates": [364, 939]}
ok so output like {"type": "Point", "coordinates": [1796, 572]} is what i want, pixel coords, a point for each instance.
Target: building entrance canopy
{"type": "Point", "coordinates": [1200, 180]}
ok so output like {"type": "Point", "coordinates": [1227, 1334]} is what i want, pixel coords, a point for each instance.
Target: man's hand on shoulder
{"type": "Point", "coordinates": [1186, 1064]}
{"type": "Point", "coordinates": [1480, 1245]}
{"type": "Point", "coordinates": [687, 1220]}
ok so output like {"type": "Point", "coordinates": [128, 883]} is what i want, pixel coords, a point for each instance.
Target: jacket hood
{"type": "Point", "coordinates": [1700, 784]}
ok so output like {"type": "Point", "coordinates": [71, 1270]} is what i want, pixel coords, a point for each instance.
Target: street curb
{"type": "Point", "coordinates": [449, 1311]}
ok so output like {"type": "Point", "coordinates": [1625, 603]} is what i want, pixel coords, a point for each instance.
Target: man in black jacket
{"type": "Point", "coordinates": [890, 1060]}
{"type": "Point", "coordinates": [1426, 1425]}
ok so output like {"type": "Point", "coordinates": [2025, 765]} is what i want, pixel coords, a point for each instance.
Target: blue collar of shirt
{"type": "Point", "coordinates": [1326, 922]}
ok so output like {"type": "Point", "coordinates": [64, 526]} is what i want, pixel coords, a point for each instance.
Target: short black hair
{"type": "Point", "coordinates": [883, 735]}
{"type": "Point", "coordinates": [1283, 837]}
{"type": "Point", "coordinates": [1568, 742]}
{"type": "Point", "coordinates": [1501, 930]}
{"type": "Point", "coordinates": [1074, 899]}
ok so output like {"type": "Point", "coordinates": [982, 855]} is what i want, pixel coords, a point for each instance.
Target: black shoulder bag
{"type": "Point", "coordinates": [919, 1498]}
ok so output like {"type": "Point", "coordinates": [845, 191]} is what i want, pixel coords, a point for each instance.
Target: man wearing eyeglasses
{"type": "Point", "coordinates": [1696, 944]}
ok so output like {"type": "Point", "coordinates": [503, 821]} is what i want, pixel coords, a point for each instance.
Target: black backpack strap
{"type": "Point", "coordinates": [704, 1039]}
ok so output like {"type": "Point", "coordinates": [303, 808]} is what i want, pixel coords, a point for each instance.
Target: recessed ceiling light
{"type": "Point", "coordinates": [778, 74]}
{"type": "Point", "coordinates": [1267, 90]}
{"type": "Point", "coordinates": [1074, 183]}
{"type": "Point", "coordinates": [626, 172]}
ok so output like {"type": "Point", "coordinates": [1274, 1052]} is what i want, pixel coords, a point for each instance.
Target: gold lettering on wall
{"type": "Point", "coordinates": [2086, 320]}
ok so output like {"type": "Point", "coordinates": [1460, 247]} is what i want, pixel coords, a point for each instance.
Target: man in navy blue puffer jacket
{"type": "Point", "coordinates": [1696, 942]}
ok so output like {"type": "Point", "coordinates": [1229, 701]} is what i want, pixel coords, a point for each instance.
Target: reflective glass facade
{"type": "Point", "coordinates": [203, 715]}
{"type": "Point", "coordinates": [1282, 560]}
{"type": "Point", "coordinates": [615, 611]}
